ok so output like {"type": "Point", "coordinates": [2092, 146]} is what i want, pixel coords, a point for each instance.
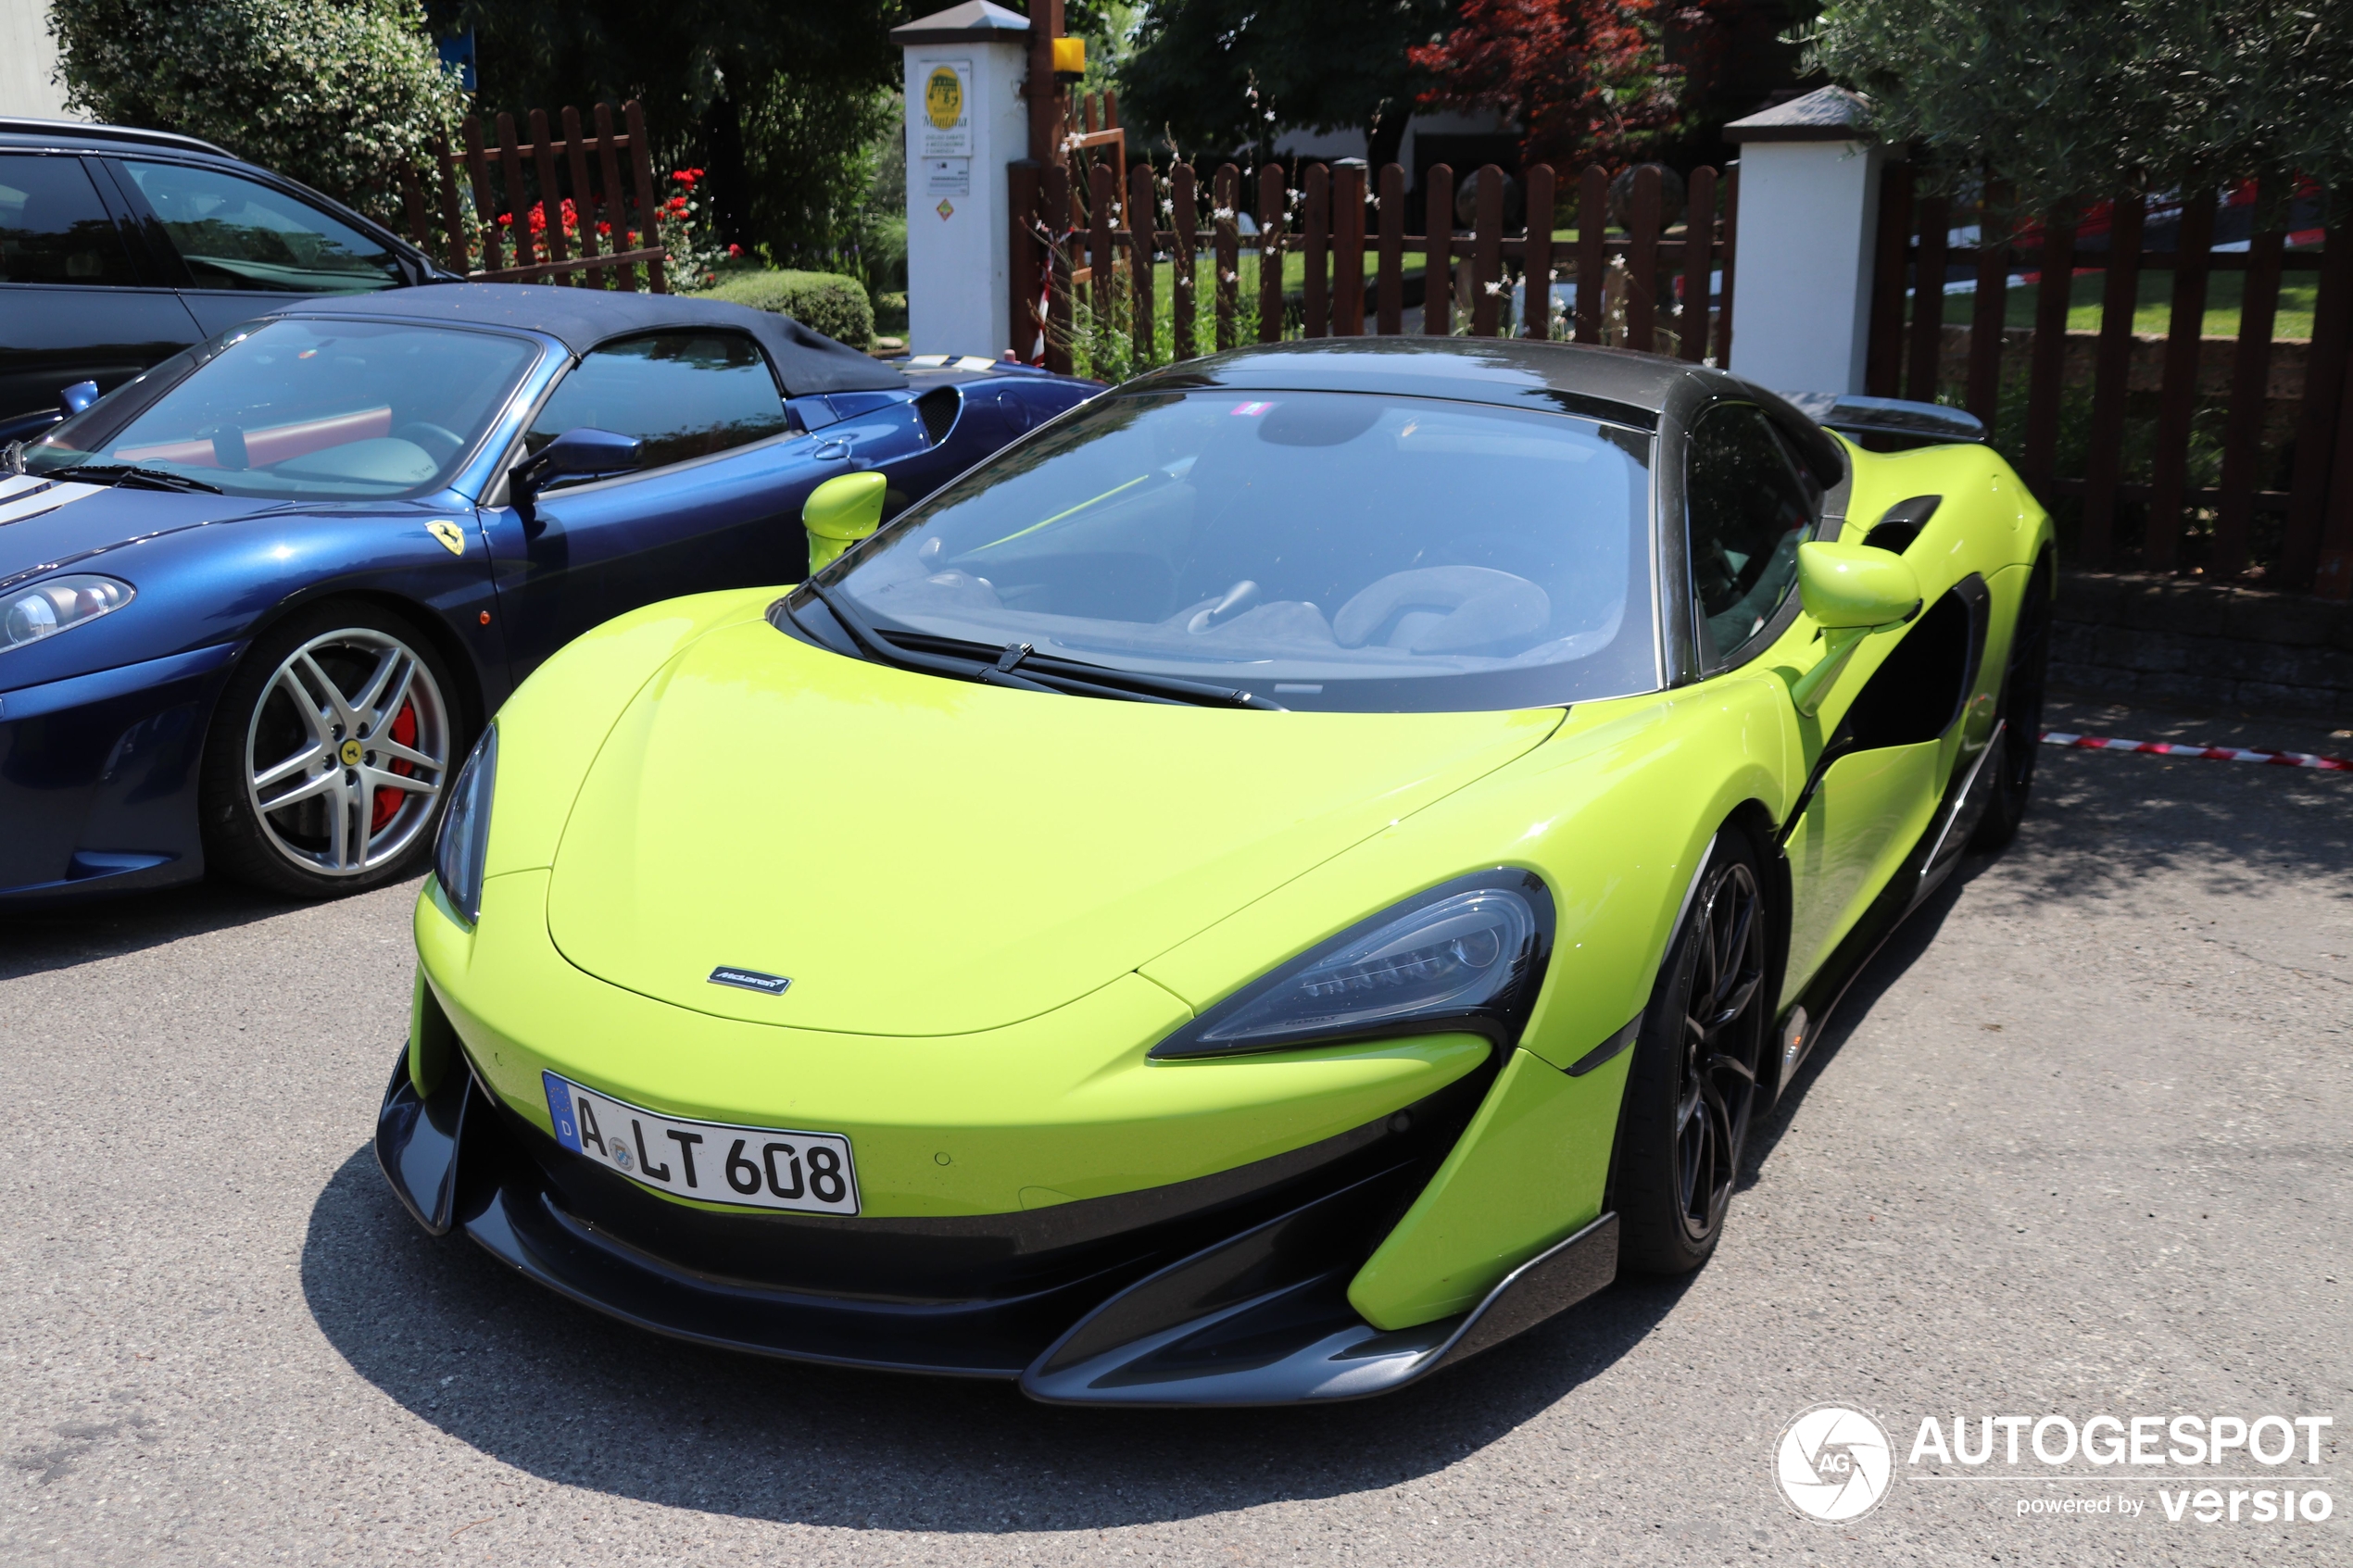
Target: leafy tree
{"type": "Point", "coordinates": [756, 92]}
{"type": "Point", "coordinates": [336, 93]}
{"type": "Point", "coordinates": [1582, 77]}
{"type": "Point", "coordinates": [1220, 75]}
{"type": "Point", "coordinates": [2059, 97]}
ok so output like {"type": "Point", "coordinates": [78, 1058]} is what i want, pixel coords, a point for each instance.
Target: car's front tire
{"type": "Point", "coordinates": [1693, 1088]}
{"type": "Point", "coordinates": [329, 753]}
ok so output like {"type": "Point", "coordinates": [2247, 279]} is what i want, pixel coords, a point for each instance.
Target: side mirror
{"type": "Point", "coordinates": [1849, 586]}
{"type": "Point", "coordinates": [841, 512]}
{"type": "Point", "coordinates": [575, 453]}
{"type": "Point", "coordinates": [1850, 591]}
{"type": "Point", "coordinates": [72, 399]}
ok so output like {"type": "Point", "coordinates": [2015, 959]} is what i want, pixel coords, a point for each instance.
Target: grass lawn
{"type": "Point", "coordinates": [2225, 293]}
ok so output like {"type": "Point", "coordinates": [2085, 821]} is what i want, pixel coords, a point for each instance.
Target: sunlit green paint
{"type": "Point", "coordinates": [1530, 1171]}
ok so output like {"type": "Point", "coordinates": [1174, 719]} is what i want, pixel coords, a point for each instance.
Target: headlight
{"type": "Point", "coordinates": [1469, 955]}
{"type": "Point", "coordinates": [465, 828]}
{"type": "Point", "coordinates": [51, 607]}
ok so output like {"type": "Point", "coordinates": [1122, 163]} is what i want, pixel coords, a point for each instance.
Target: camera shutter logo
{"type": "Point", "coordinates": [1834, 1463]}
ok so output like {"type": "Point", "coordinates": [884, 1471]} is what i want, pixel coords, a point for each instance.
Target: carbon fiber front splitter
{"type": "Point", "coordinates": [1245, 1304]}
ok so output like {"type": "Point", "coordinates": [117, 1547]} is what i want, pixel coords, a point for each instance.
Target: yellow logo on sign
{"type": "Point", "coordinates": [944, 97]}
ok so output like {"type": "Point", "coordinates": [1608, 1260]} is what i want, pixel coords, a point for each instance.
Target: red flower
{"type": "Point", "coordinates": [734, 251]}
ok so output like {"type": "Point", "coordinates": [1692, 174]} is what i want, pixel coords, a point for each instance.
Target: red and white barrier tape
{"type": "Point", "coordinates": [2211, 753]}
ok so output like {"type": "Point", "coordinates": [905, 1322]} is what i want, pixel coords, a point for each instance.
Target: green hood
{"type": "Point", "coordinates": [924, 856]}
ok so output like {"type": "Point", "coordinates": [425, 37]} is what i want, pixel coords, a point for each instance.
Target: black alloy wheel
{"type": "Point", "coordinates": [329, 755]}
{"type": "Point", "coordinates": [1692, 1090]}
{"type": "Point", "coordinates": [2022, 686]}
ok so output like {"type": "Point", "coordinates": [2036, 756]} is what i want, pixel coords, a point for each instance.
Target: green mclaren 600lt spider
{"type": "Point", "coordinates": [1296, 871]}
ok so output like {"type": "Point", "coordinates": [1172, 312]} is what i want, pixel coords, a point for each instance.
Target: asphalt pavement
{"type": "Point", "coordinates": [2077, 1144]}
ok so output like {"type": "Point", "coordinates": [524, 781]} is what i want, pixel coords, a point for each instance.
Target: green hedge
{"type": "Point", "coordinates": [824, 302]}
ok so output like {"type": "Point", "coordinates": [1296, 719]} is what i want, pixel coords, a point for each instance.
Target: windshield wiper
{"type": "Point", "coordinates": [1019, 666]}
{"type": "Point", "coordinates": [127, 473]}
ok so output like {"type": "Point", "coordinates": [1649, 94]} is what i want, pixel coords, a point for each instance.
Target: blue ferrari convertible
{"type": "Point", "coordinates": [255, 604]}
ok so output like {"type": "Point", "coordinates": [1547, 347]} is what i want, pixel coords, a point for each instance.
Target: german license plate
{"type": "Point", "coordinates": [761, 1167]}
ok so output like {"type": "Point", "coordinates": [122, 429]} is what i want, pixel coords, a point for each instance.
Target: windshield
{"type": "Point", "coordinates": [308, 407]}
{"type": "Point", "coordinates": [1334, 550]}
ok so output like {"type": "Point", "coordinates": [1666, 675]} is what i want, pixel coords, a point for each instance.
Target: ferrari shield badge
{"type": "Point", "coordinates": [452, 538]}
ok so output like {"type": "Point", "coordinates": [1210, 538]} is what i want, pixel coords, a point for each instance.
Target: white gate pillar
{"type": "Point", "coordinates": [965, 121]}
{"type": "Point", "coordinates": [1808, 220]}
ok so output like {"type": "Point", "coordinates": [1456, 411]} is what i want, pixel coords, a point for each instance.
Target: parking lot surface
{"type": "Point", "coordinates": [2077, 1144]}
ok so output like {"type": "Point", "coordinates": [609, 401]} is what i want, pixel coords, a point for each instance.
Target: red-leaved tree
{"type": "Point", "coordinates": [1583, 78]}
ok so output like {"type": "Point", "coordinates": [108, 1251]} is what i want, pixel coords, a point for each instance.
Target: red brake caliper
{"type": "Point", "coordinates": [388, 799]}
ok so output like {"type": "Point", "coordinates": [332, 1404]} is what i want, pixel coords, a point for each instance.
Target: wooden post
{"type": "Point", "coordinates": [1103, 194]}
{"type": "Point", "coordinates": [2119, 295]}
{"type": "Point", "coordinates": [2250, 379]}
{"type": "Point", "coordinates": [1227, 198]}
{"type": "Point", "coordinates": [1141, 208]}
{"type": "Point", "coordinates": [1043, 91]}
{"type": "Point", "coordinates": [1993, 302]}
{"type": "Point", "coordinates": [1348, 248]}
{"type": "Point", "coordinates": [1536, 253]}
{"type": "Point", "coordinates": [583, 199]}
{"type": "Point", "coordinates": [1025, 192]}
{"type": "Point", "coordinates": [2332, 577]}
{"type": "Point", "coordinates": [2049, 361]}
{"type": "Point", "coordinates": [1592, 263]}
{"type": "Point", "coordinates": [2177, 398]}
{"type": "Point", "coordinates": [452, 216]}
{"type": "Point", "coordinates": [486, 205]}
{"type": "Point", "coordinates": [412, 203]}
{"type": "Point", "coordinates": [642, 170]}
{"type": "Point", "coordinates": [2325, 381]}
{"type": "Point", "coordinates": [1883, 364]}
{"type": "Point", "coordinates": [1486, 252]}
{"type": "Point", "coordinates": [1389, 271]}
{"type": "Point", "coordinates": [551, 201]}
{"type": "Point", "coordinates": [1642, 260]}
{"type": "Point", "coordinates": [511, 166]}
{"type": "Point", "coordinates": [616, 210]}
{"type": "Point", "coordinates": [1056, 181]}
{"type": "Point", "coordinates": [1699, 270]}
{"type": "Point", "coordinates": [1184, 264]}
{"type": "Point", "coordinates": [1928, 299]}
{"type": "Point", "coordinates": [1270, 253]}
{"type": "Point", "coordinates": [1438, 253]}
{"type": "Point", "coordinates": [1318, 250]}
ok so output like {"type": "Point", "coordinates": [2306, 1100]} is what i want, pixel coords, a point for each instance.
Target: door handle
{"type": "Point", "coordinates": [833, 448]}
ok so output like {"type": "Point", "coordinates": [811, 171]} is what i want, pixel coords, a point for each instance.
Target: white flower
{"type": "Point", "coordinates": [1221, 213]}
{"type": "Point", "coordinates": [1494, 288]}
{"type": "Point", "coordinates": [1270, 114]}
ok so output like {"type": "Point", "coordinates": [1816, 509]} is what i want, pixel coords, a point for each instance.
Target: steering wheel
{"type": "Point", "coordinates": [443, 443]}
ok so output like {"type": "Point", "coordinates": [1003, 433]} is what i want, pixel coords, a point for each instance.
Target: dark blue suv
{"type": "Point", "coordinates": [119, 247]}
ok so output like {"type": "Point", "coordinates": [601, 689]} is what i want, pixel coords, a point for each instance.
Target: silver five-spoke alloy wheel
{"type": "Point", "coordinates": [347, 752]}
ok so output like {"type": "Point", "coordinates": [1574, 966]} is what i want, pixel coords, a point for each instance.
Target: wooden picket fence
{"type": "Point", "coordinates": [1083, 225]}
{"type": "Point", "coordinates": [2281, 506]}
{"type": "Point", "coordinates": [488, 193]}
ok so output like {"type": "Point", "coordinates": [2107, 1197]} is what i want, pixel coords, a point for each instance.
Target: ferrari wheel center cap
{"type": "Point", "coordinates": [352, 752]}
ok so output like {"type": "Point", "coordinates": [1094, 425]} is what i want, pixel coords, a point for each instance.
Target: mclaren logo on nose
{"type": "Point", "coordinates": [751, 980]}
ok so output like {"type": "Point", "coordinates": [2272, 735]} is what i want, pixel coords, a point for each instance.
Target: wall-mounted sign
{"type": "Point", "coordinates": [948, 177]}
{"type": "Point", "coordinates": [943, 115]}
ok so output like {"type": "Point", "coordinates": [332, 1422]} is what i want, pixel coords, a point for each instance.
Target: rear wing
{"type": "Point", "coordinates": [1888, 424]}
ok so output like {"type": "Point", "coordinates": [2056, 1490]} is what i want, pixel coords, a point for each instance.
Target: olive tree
{"type": "Point", "coordinates": [2059, 96]}
{"type": "Point", "coordinates": [336, 93]}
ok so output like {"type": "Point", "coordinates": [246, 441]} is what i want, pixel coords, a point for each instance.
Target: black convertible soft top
{"type": "Point", "coordinates": [581, 319]}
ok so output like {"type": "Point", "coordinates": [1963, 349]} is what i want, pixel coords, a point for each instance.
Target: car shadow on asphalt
{"type": "Point", "coordinates": [38, 940]}
{"type": "Point", "coordinates": [1885, 971]}
{"type": "Point", "coordinates": [530, 1380]}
